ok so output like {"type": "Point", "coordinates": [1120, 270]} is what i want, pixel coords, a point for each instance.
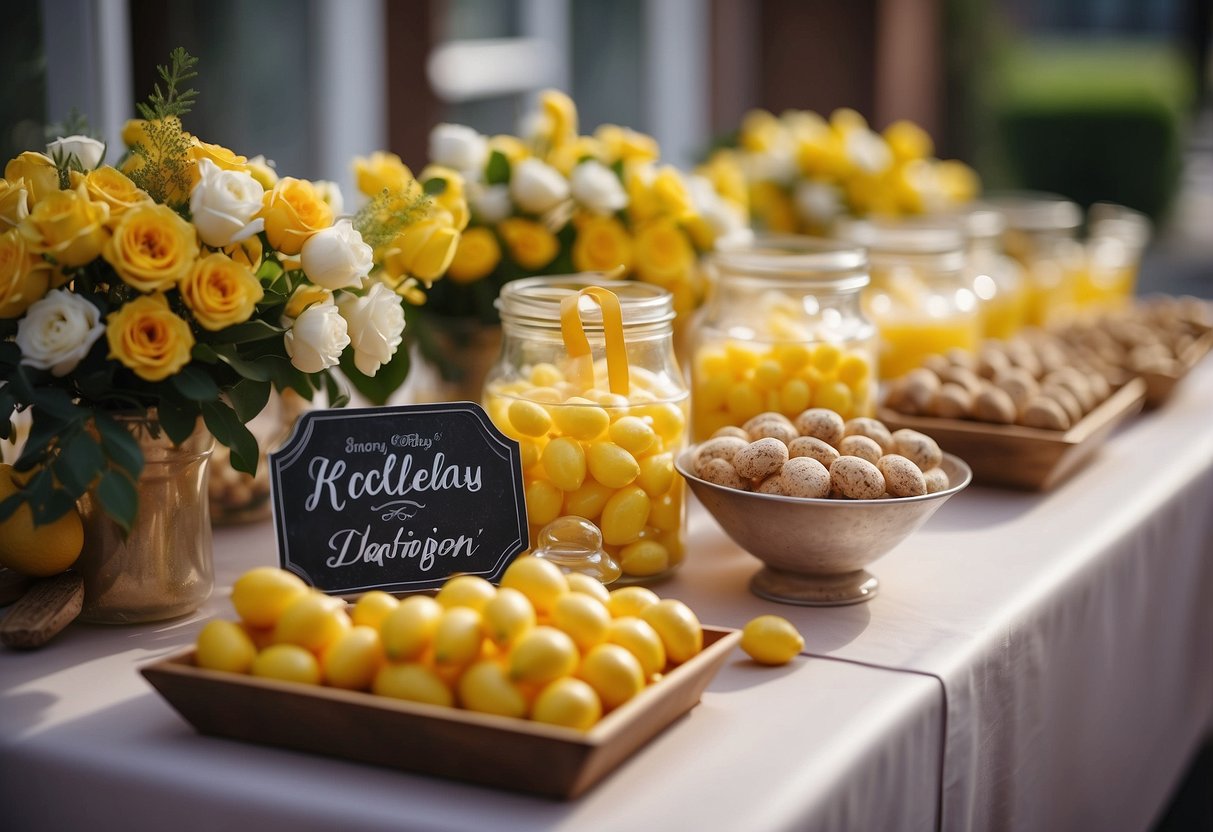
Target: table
{"type": "Point", "coordinates": [1032, 662]}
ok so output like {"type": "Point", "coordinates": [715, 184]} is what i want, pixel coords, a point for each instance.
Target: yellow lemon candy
{"type": "Point", "coordinates": [826, 357]}
{"type": "Point", "coordinates": [564, 462]}
{"type": "Point", "coordinates": [611, 465]}
{"type": "Point", "coordinates": [631, 601]}
{"type": "Point", "coordinates": [584, 618]}
{"type": "Point", "coordinates": [587, 501]}
{"type": "Point", "coordinates": [529, 419]}
{"type": "Point", "coordinates": [656, 474]}
{"type": "Point", "coordinates": [588, 586]}
{"type": "Point", "coordinates": [624, 515]}
{"type": "Point", "coordinates": [581, 418]}
{"type": "Point", "coordinates": [639, 638]}
{"type": "Point", "coordinates": [261, 595]}
{"type": "Point", "coordinates": [288, 662]}
{"type": "Point", "coordinates": [507, 616]}
{"type": "Point", "coordinates": [834, 395]}
{"type": "Point", "coordinates": [667, 420]}
{"type": "Point", "coordinates": [458, 637]}
{"type": "Point", "coordinates": [614, 674]}
{"type": "Point", "coordinates": [712, 392]}
{"type": "Point", "coordinates": [543, 502]}
{"type": "Point", "coordinates": [466, 591]}
{"type": "Point", "coordinates": [854, 370]}
{"type": "Point", "coordinates": [744, 402]}
{"type": "Point", "coordinates": [793, 356]}
{"type": "Point", "coordinates": [409, 629]}
{"type": "Point", "coordinates": [484, 687]}
{"type": "Point", "coordinates": [633, 434]}
{"type": "Point", "coordinates": [569, 702]}
{"type": "Point", "coordinates": [546, 375]}
{"type": "Point", "coordinates": [372, 608]}
{"type": "Point", "coordinates": [541, 655]}
{"type": "Point", "coordinates": [353, 660]}
{"type": "Point", "coordinates": [539, 580]}
{"type": "Point", "coordinates": [768, 375]}
{"type": "Point", "coordinates": [530, 453]}
{"type": "Point", "coordinates": [224, 645]}
{"type": "Point", "coordinates": [414, 682]}
{"type": "Point", "coordinates": [313, 622]}
{"type": "Point", "coordinates": [666, 513]}
{"type": "Point", "coordinates": [740, 357]}
{"type": "Point", "coordinates": [711, 361]}
{"type": "Point", "coordinates": [644, 558]}
{"type": "Point", "coordinates": [678, 627]}
{"type": "Point", "coordinates": [795, 395]}
{"type": "Point", "coordinates": [770, 639]}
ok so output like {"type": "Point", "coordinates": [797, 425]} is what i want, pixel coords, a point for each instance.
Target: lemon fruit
{"type": "Point", "coordinates": [457, 637]}
{"type": "Point", "coordinates": [770, 639]}
{"type": "Point", "coordinates": [588, 586]}
{"type": "Point", "coordinates": [541, 655]}
{"type": "Point", "coordinates": [288, 662]}
{"type": "Point", "coordinates": [630, 600]}
{"type": "Point", "coordinates": [485, 687]}
{"type": "Point", "coordinates": [539, 580]}
{"type": "Point", "coordinates": [353, 659]}
{"type": "Point", "coordinates": [224, 645]}
{"type": "Point", "coordinates": [372, 608]}
{"type": "Point", "coordinates": [639, 638]}
{"type": "Point", "coordinates": [614, 674]}
{"type": "Point", "coordinates": [466, 591]}
{"type": "Point", "coordinates": [569, 702]}
{"type": "Point", "coordinates": [583, 618]}
{"type": "Point", "coordinates": [678, 627]}
{"type": "Point", "coordinates": [261, 595]}
{"type": "Point", "coordinates": [408, 630]}
{"type": "Point", "coordinates": [412, 681]}
{"type": "Point", "coordinates": [313, 622]}
{"type": "Point", "coordinates": [507, 616]}
{"type": "Point", "coordinates": [37, 551]}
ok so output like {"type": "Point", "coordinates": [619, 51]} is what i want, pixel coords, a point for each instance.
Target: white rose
{"type": "Point", "coordinates": [330, 193]}
{"type": "Point", "coordinates": [458, 146]}
{"type": "Point", "coordinates": [317, 338]}
{"type": "Point", "coordinates": [726, 219]}
{"type": "Point", "coordinates": [88, 151]}
{"type": "Point", "coordinates": [868, 151]}
{"type": "Point", "coordinates": [376, 326]}
{"type": "Point", "coordinates": [537, 187]}
{"type": "Point", "coordinates": [58, 331]}
{"type": "Point", "coordinates": [775, 165]}
{"type": "Point", "coordinates": [223, 205]}
{"type": "Point", "coordinates": [336, 257]}
{"type": "Point", "coordinates": [597, 188]}
{"type": "Point", "coordinates": [817, 202]}
{"type": "Point", "coordinates": [490, 203]}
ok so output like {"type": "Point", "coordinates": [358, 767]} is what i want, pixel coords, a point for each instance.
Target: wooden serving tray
{"type": "Point", "coordinates": [1159, 386]}
{"type": "Point", "coordinates": [480, 748]}
{"type": "Point", "coordinates": [1021, 457]}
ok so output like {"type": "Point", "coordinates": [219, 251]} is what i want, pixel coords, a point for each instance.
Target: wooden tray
{"type": "Point", "coordinates": [426, 739]}
{"type": "Point", "coordinates": [1020, 457]}
{"type": "Point", "coordinates": [1159, 386]}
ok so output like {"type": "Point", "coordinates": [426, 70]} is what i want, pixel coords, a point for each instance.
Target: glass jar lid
{"type": "Point", "coordinates": [535, 301]}
{"type": "Point", "coordinates": [796, 259]}
{"type": "Point", "coordinates": [937, 242]}
{"type": "Point", "coordinates": [1037, 211]}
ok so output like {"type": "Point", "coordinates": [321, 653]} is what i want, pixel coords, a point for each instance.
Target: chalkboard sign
{"type": "Point", "coordinates": [397, 498]}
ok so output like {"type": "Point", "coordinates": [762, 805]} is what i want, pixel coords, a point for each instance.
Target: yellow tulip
{"type": "Point", "coordinates": [476, 257]}
{"type": "Point", "coordinates": [453, 199]}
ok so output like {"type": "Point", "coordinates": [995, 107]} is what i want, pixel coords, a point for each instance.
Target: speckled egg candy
{"type": "Point", "coordinates": [771, 429]}
{"type": "Point", "coordinates": [864, 447]}
{"type": "Point", "coordinates": [874, 429]}
{"type": "Point", "coordinates": [760, 459]}
{"type": "Point", "coordinates": [902, 478]}
{"type": "Point", "coordinates": [805, 477]}
{"type": "Point", "coordinates": [813, 448]}
{"type": "Point", "coordinates": [721, 472]}
{"type": "Point", "coordinates": [917, 447]}
{"type": "Point", "coordinates": [856, 478]}
{"type": "Point", "coordinates": [731, 430]}
{"type": "Point", "coordinates": [824, 424]}
{"type": "Point", "coordinates": [723, 447]}
{"type": "Point", "coordinates": [936, 480]}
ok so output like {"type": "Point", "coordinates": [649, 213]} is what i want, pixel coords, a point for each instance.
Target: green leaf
{"type": "Point", "coordinates": [57, 403]}
{"type": "Point", "coordinates": [227, 428]}
{"type": "Point", "coordinates": [119, 498]}
{"type": "Point", "coordinates": [178, 417]}
{"type": "Point", "coordinates": [57, 504]}
{"type": "Point", "coordinates": [254, 330]}
{"type": "Point", "coordinates": [122, 448]}
{"type": "Point", "coordinates": [228, 354]}
{"type": "Point", "coordinates": [338, 395]}
{"type": "Point", "coordinates": [79, 463]}
{"type": "Point", "coordinates": [11, 503]}
{"type": "Point", "coordinates": [270, 271]}
{"type": "Point", "coordinates": [434, 186]}
{"type": "Point", "coordinates": [285, 376]}
{"type": "Point", "coordinates": [248, 398]}
{"type": "Point", "coordinates": [377, 388]}
{"type": "Point", "coordinates": [195, 383]}
{"type": "Point", "coordinates": [498, 170]}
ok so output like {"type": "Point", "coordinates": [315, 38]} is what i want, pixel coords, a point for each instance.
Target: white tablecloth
{"type": "Point", "coordinates": [1048, 666]}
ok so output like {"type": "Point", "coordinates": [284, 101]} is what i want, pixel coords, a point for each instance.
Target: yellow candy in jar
{"type": "Point", "coordinates": [546, 375]}
{"type": "Point", "coordinates": [633, 434]}
{"type": "Point", "coordinates": [587, 501]}
{"type": "Point", "coordinates": [644, 557]}
{"type": "Point", "coordinates": [564, 462]}
{"type": "Point", "coordinates": [656, 474]}
{"type": "Point", "coordinates": [581, 418]}
{"type": "Point", "coordinates": [611, 465]}
{"type": "Point", "coordinates": [543, 502]}
{"type": "Point", "coordinates": [529, 418]}
{"type": "Point", "coordinates": [625, 515]}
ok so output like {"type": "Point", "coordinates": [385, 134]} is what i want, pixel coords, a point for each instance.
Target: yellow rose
{"type": "Point", "coordinates": [773, 208]}
{"type": "Point", "coordinates": [248, 251]}
{"type": "Point", "coordinates": [823, 156]}
{"type": "Point", "coordinates": [602, 244]}
{"type": "Point", "coordinates": [220, 292]}
{"type": "Point", "coordinates": [908, 141]}
{"type": "Point", "coordinates": [622, 143]}
{"type": "Point", "coordinates": [14, 202]}
{"type": "Point", "coordinates": [568, 156]}
{"type": "Point", "coordinates": [510, 147]}
{"type": "Point", "coordinates": [383, 171]}
{"type": "Point", "coordinates": [760, 131]}
{"type": "Point", "coordinates": [293, 211]}
{"type": "Point", "coordinates": [152, 248]}
{"type": "Point", "coordinates": [24, 278]}
{"type": "Point", "coordinates": [220, 155]}
{"type": "Point", "coordinates": [305, 295]}
{"type": "Point", "coordinates": [67, 227]}
{"type": "Point", "coordinates": [671, 192]}
{"type": "Point", "coordinates": [664, 255]}
{"type": "Point", "coordinates": [725, 173]}
{"type": "Point", "coordinates": [147, 337]}
{"type": "Point", "coordinates": [702, 234]}
{"type": "Point", "coordinates": [453, 199]}
{"type": "Point", "coordinates": [476, 257]}
{"type": "Point", "coordinates": [424, 249]}
{"type": "Point", "coordinates": [958, 182]}
{"type": "Point", "coordinates": [39, 172]}
{"type": "Point", "coordinates": [531, 245]}
{"type": "Point", "coordinates": [111, 186]}
{"type": "Point", "coordinates": [560, 114]}
{"type": "Point", "coordinates": [263, 171]}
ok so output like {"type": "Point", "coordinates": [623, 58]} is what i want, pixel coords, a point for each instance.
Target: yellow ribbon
{"type": "Point", "coordinates": [581, 361]}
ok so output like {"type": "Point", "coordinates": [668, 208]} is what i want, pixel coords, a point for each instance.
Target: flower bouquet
{"type": "Point", "coordinates": [184, 283]}
{"type": "Point", "coordinates": [805, 171]}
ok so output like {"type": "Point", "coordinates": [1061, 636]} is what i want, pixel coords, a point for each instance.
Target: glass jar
{"type": "Point", "coordinates": [996, 279]}
{"type": "Point", "coordinates": [1116, 238]}
{"type": "Point", "coordinates": [1042, 234]}
{"type": "Point", "coordinates": [783, 331]}
{"type": "Point", "coordinates": [594, 396]}
{"type": "Point", "coordinates": [919, 297]}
